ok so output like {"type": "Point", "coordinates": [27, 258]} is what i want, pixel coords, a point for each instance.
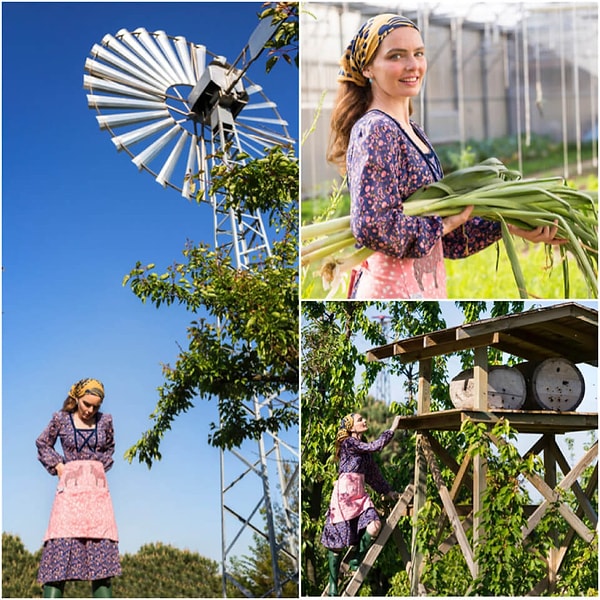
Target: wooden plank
{"type": "Point", "coordinates": [552, 496]}
{"type": "Point", "coordinates": [424, 393]}
{"type": "Point", "coordinates": [416, 556]}
{"type": "Point", "coordinates": [480, 375]}
{"type": "Point", "coordinates": [568, 539]}
{"type": "Point", "coordinates": [461, 478]}
{"type": "Point", "coordinates": [462, 475]}
{"type": "Point", "coordinates": [450, 541]}
{"type": "Point", "coordinates": [399, 510]}
{"type": "Point", "coordinates": [494, 332]}
{"type": "Point", "coordinates": [525, 421]}
{"type": "Point", "coordinates": [550, 479]}
{"type": "Point", "coordinates": [582, 498]}
{"type": "Point", "coordinates": [538, 421]}
{"type": "Point", "coordinates": [453, 517]}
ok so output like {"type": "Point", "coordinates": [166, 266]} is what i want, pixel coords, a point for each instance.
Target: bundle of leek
{"type": "Point", "coordinates": [497, 193]}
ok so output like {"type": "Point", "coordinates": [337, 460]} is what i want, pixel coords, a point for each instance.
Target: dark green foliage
{"type": "Point", "coordinates": [332, 388]}
{"type": "Point", "coordinates": [19, 569]}
{"type": "Point", "coordinates": [155, 571]}
{"type": "Point", "coordinates": [284, 43]}
{"type": "Point", "coordinates": [249, 346]}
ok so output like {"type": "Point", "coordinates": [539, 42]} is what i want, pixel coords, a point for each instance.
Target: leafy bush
{"type": "Point", "coordinates": [155, 571]}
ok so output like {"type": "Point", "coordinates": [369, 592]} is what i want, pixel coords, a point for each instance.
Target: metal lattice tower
{"type": "Point", "coordinates": [382, 382]}
{"type": "Point", "coordinates": [177, 117]}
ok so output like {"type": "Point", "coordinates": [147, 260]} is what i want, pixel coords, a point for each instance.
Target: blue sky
{"type": "Point", "coordinates": [77, 216]}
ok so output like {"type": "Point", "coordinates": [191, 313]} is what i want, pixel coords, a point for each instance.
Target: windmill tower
{"type": "Point", "coordinates": [382, 382]}
{"type": "Point", "coordinates": [178, 110]}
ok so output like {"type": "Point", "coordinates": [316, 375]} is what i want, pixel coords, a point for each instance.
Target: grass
{"type": "Point", "coordinates": [487, 275]}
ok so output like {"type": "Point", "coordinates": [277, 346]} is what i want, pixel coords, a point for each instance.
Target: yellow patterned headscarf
{"type": "Point", "coordinates": [343, 432]}
{"type": "Point", "coordinates": [364, 45]}
{"type": "Point", "coordinates": [86, 386]}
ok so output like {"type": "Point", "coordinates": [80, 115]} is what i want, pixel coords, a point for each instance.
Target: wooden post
{"type": "Point", "coordinates": [550, 479]}
{"type": "Point", "coordinates": [423, 406]}
{"type": "Point", "coordinates": [480, 375]}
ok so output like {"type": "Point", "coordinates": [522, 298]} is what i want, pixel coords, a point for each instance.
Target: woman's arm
{"type": "Point", "coordinates": [47, 455]}
{"type": "Point", "coordinates": [105, 453]}
{"type": "Point", "coordinates": [473, 236]}
{"type": "Point", "coordinates": [381, 174]}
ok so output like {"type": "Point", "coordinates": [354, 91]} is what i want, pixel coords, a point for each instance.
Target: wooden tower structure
{"type": "Point", "coordinates": [566, 330]}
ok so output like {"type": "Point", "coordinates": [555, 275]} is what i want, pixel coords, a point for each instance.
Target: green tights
{"type": "Point", "coordinates": [101, 588]}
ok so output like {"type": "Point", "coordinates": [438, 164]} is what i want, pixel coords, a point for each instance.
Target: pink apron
{"type": "Point", "coordinates": [82, 506]}
{"type": "Point", "coordinates": [384, 277]}
{"type": "Point", "coordinates": [349, 498]}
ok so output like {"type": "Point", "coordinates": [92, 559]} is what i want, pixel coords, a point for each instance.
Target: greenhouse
{"type": "Point", "coordinates": [525, 73]}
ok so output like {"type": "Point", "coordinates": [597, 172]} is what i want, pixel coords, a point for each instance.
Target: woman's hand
{"type": "Point", "coordinates": [545, 234]}
{"type": "Point", "coordinates": [395, 423]}
{"type": "Point", "coordinates": [60, 467]}
{"type": "Point", "coordinates": [451, 223]}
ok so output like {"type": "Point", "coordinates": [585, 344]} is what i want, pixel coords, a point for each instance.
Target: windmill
{"type": "Point", "coordinates": [178, 110]}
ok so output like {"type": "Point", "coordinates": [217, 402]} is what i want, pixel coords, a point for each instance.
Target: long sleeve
{"type": "Point", "coordinates": [108, 449]}
{"type": "Point", "coordinates": [45, 443]}
{"type": "Point", "coordinates": [373, 475]}
{"type": "Point", "coordinates": [357, 457]}
{"type": "Point", "coordinates": [475, 235]}
{"type": "Point", "coordinates": [383, 170]}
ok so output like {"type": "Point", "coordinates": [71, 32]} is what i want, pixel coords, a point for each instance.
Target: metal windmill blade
{"type": "Point", "coordinates": [178, 110]}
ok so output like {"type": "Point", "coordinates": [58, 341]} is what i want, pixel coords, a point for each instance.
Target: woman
{"type": "Point", "coordinates": [387, 157]}
{"type": "Point", "coordinates": [352, 518]}
{"type": "Point", "coordinates": [81, 541]}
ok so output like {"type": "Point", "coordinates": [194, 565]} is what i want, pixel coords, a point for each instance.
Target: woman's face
{"type": "Point", "coordinates": [360, 424]}
{"type": "Point", "coordinates": [87, 406]}
{"type": "Point", "coordinates": [399, 66]}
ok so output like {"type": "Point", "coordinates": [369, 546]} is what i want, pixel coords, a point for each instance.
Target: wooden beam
{"type": "Point", "coordinates": [399, 510]}
{"type": "Point", "coordinates": [416, 556]}
{"type": "Point", "coordinates": [453, 517]}
{"type": "Point", "coordinates": [480, 403]}
{"type": "Point", "coordinates": [551, 496]}
{"type": "Point", "coordinates": [581, 496]}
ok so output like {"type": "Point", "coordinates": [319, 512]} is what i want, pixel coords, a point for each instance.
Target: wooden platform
{"type": "Point", "coordinates": [524, 421]}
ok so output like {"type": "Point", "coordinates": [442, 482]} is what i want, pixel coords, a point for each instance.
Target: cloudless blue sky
{"type": "Point", "coordinates": [77, 216]}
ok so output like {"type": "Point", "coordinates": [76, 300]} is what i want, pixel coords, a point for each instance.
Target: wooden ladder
{"type": "Point", "coordinates": [400, 510]}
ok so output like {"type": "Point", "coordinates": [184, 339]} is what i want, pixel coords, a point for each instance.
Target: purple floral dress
{"type": "Point", "coordinates": [350, 509]}
{"type": "Point", "coordinates": [66, 559]}
{"type": "Point", "coordinates": [384, 168]}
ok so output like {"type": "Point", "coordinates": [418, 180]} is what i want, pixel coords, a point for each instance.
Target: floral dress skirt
{"type": "Point", "coordinates": [81, 541]}
{"type": "Point", "coordinates": [350, 511]}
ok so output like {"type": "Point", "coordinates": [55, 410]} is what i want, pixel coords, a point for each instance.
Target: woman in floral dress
{"type": "Point", "coordinates": [81, 541]}
{"type": "Point", "coordinates": [387, 157]}
{"type": "Point", "coordinates": [352, 518]}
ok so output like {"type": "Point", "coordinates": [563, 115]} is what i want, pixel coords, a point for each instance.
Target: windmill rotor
{"type": "Point", "coordinates": [157, 96]}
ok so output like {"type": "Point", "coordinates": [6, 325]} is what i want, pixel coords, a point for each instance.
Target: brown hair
{"type": "Point", "coordinates": [351, 104]}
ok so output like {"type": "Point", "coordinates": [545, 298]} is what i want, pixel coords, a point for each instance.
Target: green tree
{"type": "Point", "coordinates": [332, 387]}
{"type": "Point", "coordinates": [154, 571]}
{"type": "Point", "coordinates": [19, 569]}
{"type": "Point", "coordinates": [163, 571]}
{"type": "Point", "coordinates": [247, 345]}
